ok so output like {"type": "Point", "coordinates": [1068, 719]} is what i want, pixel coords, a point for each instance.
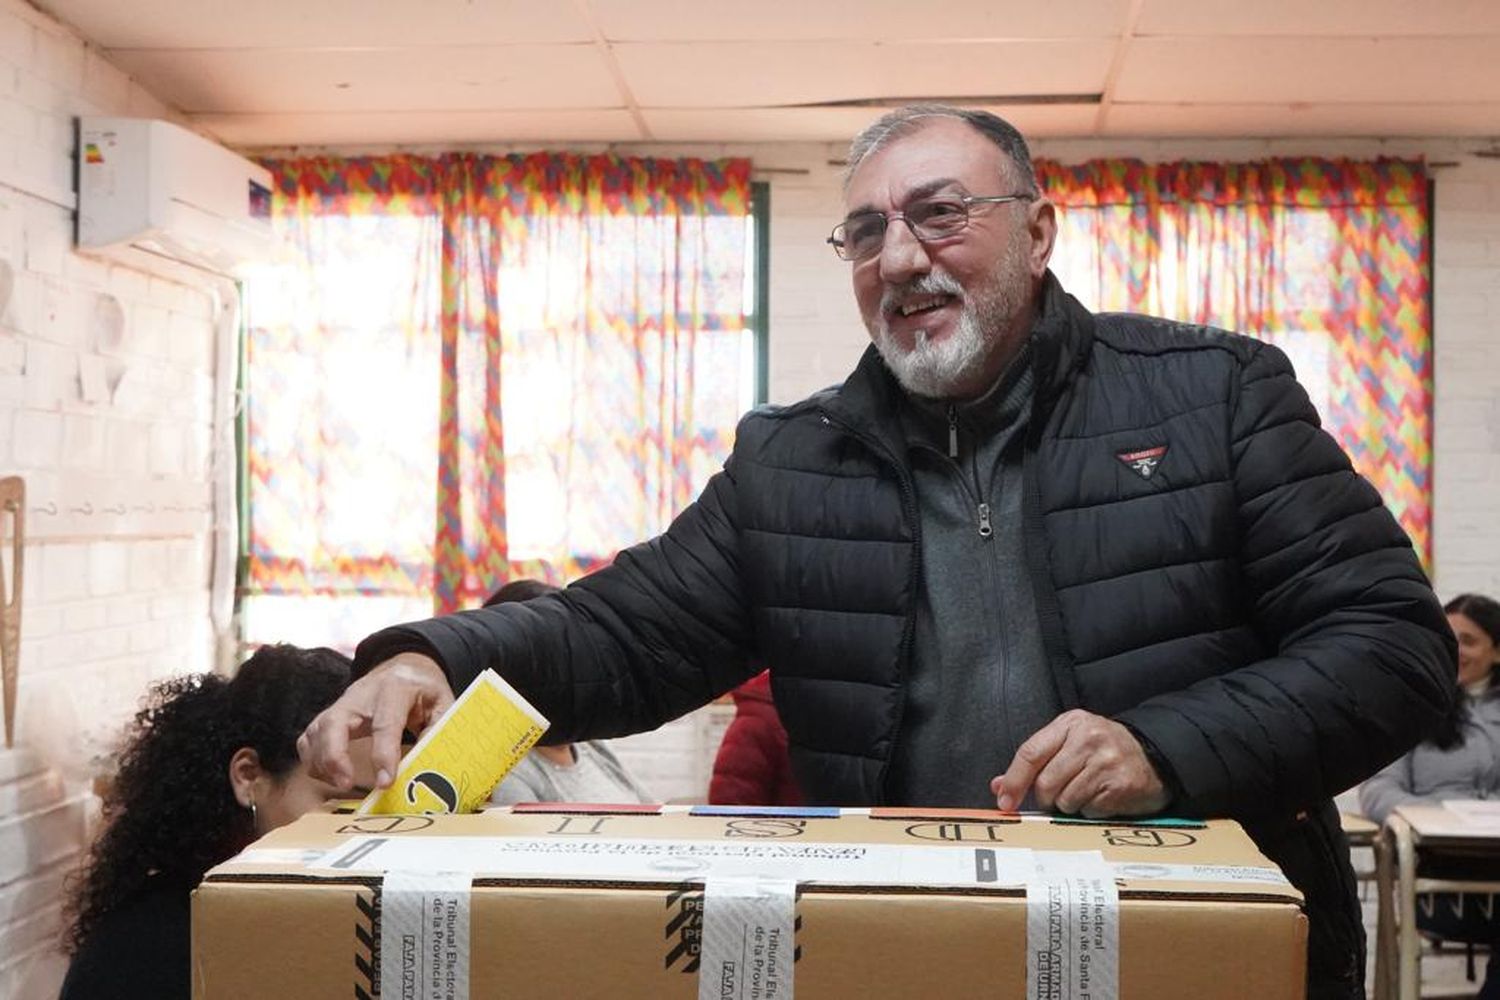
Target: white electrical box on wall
{"type": "Point", "coordinates": [150, 191]}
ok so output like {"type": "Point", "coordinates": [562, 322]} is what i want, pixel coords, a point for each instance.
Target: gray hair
{"type": "Point", "coordinates": [904, 121]}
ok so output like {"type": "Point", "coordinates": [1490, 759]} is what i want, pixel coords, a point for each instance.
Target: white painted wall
{"type": "Point", "coordinates": [117, 520]}
{"type": "Point", "coordinates": [1466, 325]}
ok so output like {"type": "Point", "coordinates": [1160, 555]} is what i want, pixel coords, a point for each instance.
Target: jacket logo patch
{"type": "Point", "coordinates": [1143, 462]}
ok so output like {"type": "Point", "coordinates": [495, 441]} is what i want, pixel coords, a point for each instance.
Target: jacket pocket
{"type": "Point", "coordinates": [1313, 853]}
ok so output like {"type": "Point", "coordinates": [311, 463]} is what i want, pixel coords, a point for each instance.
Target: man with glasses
{"type": "Point", "coordinates": [1024, 556]}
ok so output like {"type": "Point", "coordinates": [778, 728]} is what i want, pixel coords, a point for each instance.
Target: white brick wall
{"type": "Point", "coordinates": [117, 520]}
{"type": "Point", "coordinates": [1466, 320]}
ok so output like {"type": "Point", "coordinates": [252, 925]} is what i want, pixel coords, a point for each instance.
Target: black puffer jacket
{"type": "Point", "coordinates": [1250, 608]}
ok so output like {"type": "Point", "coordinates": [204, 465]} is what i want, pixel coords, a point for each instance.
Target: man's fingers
{"type": "Point", "coordinates": [1085, 766]}
{"type": "Point", "coordinates": [1099, 771]}
{"type": "Point", "coordinates": [433, 704]}
{"type": "Point", "coordinates": [414, 693]}
{"type": "Point", "coordinates": [324, 747]}
{"type": "Point", "coordinates": [1062, 771]}
{"type": "Point", "coordinates": [394, 705]}
{"type": "Point", "coordinates": [1031, 757]}
{"type": "Point", "coordinates": [407, 690]}
{"type": "Point", "coordinates": [1096, 794]}
{"type": "Point", "coordinates": [1077, 795]}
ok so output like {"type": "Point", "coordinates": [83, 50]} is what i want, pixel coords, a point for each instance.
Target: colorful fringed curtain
{"type": "Point", "coordinates": [1326, 258]}
{"type": "Point", "coordinates": [471, 368]}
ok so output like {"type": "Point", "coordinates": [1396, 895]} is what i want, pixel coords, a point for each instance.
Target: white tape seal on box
{"type": "Point", "coordinates": [424, 935]}
{"type": "Point", "coordinates": [1072, 927]}
{"type": "Point", "coordinates": [749, 946]}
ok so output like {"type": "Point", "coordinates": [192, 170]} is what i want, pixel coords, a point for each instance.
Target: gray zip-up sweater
{"type": "Point", "coordinates": [977, 664]}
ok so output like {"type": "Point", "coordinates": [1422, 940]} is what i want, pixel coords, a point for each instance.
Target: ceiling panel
{"type": "Point", "coordinates": [798, 20]}
{"type": "Point", "coordinates": [836, 125]}
{"type": "Point", "coordinates": [1309, 70]}
{"type": "Point", "coordinates": [1319, 120]}
{"type": "Point", "coordinates": [236, 24]}
{"type": "Point", "coordinates": [423, 79]}
{"type": "Point", "coordinates": [413, 128]}
{"type": "Point", "coordinates": [761, 74]}
{"type": "Point", "coordinates": [474, 71]}
{"type": "Point", "coordinates": [1462, 18]}
{"type": "Point", "coordinates": [756, 124]}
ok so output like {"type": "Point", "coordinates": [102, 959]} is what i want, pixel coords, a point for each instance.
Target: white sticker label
{"type": "Point", "coordinates": [1238, 874]}
{"type": "Point", "coordinates": [748, 939]}
{"type": "Point", "coordinates": [424, 936]}
{"type": "Point", "coordinates": [1072, 928]}
{"type": "Point", "coordinates": [299, 856]}
{"type": "Point", "coordinates": [680, 860]}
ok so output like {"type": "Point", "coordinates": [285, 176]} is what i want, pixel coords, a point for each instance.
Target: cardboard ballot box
{"type": "Point", "coordinates": [663, 902]}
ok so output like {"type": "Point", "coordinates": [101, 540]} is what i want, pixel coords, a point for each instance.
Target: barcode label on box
{"type": "Point", "coordinates": [1072, 927]}
{"type": "Point", "coordinates": [748, 939]}
{"type": "Point", "coordinates": [424, 936]}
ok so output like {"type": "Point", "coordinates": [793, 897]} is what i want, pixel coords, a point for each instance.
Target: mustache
{"type": "Point", "coordinates": [933, 283]}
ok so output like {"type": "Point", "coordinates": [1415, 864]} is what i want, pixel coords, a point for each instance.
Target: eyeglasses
{"type": "Point", "coordinates": [931, 219]}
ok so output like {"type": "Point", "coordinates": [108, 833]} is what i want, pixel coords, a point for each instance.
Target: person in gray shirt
{"type": "Point", "coordinates": [572, 772]}
{"type": "Point", "coordinates": [1463, 763]}
{"type": "Point", "coordinates": [568, 772]}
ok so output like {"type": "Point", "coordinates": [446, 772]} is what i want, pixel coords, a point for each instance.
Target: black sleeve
{"type": "Point", "coordinates": [1364, 660]}
{"type": "Point", "coordinates": [660, 632]}
{"type": "Point", "coordinates": [139, 951]}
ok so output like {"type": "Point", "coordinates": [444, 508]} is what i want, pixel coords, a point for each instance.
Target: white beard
{"type": "Point", "coordinates": [939, 369]}
{"type": "Point", "coordinates": [929, 368]}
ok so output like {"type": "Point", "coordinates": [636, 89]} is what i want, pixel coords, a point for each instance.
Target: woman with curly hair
{"type": "Point", "coordinates": [208, 766]}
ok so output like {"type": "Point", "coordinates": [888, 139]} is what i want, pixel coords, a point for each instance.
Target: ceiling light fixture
{"type": "Point", "coordinates": [982, 101]}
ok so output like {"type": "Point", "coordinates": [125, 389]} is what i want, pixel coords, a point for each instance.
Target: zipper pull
{"type": "Point", "coordinates": [985, 530]}
{"type": "Point", "coordinates": [952, 431]}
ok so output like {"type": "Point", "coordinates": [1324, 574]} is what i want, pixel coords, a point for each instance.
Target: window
{"type": "Point", "coordinates": [615, 328]}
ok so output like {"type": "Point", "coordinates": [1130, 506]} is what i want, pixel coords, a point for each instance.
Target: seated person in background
{"type": "Point", "coordinates": [1463, 763]}
{"type": "Point", "coordinates": [209, 765]}
{"type": "Point", "coordinates": [753, 767]}
{"type": "Point", "coordinates": [567, 772]}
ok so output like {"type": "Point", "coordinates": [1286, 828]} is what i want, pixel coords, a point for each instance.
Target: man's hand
{"type": "Point", "coordinates": [408, 691]}
{"type": "Point", "coordinates": [1085, 764]}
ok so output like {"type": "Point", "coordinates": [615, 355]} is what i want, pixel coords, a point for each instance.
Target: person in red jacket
{"type": "Point", "coordinates": [753, 767]}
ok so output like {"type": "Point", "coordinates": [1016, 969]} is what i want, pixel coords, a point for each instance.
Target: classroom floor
{"type": "Point", "coordinates": [1444, 974]}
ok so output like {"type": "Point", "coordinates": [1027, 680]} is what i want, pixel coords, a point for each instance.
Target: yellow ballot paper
{"type": "Point", "coordinates": [464, 754]}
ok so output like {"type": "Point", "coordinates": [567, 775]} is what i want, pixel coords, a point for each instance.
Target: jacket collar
{"type": "Point", "coordinates": [1003, 405]}
{"type": "Point", "coordinates": [870, 400]}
